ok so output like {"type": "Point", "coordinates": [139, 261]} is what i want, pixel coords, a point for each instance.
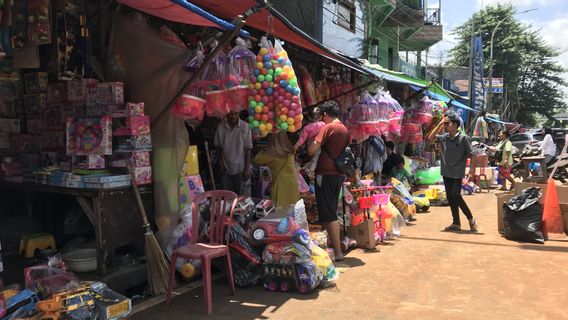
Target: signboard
{"type": "Point", "coordinates": [476, 88]}
{"type": "Point", "coordinates": [497, 86]}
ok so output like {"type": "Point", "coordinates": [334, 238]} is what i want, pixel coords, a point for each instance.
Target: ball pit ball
{"type": "Point", "coordinates": [286, 103]}
{"type": "Point", "coordinates": [284, 76]}
{"type": "Point", "coordinates": [251, 125]}
{"type": "Point", "coordinates": [257, 98]}
{"type": "Point", "coordinates": [294, 105]}
{"type": "Point", "coordinates": [251, 86]}
{"type": "Point", "coordinates": [268, 78]}
{"type": "Point", "coordinates": [269, 127]}
{"type": "Point", "coordinates": [271, 72]}
{"type": "Point", "coordinates": [264, 117]}
{"type": "Point", "coordinates": [265, 99]}
{"type": "Point", "coordinates": [265, 84]}
{"type": "Point", "coordinates": [268, 65]}
{"type": "Point", "coordinates": [259, 58]}
{"type": "Point", "coordinates": [269, 91]}
{"type": "Point", "coordinates": [281, 91]}
{"type": "Point", "coordinates": [263, 71]}
{"type": "Point", "coordinates": [286, 69]}
{"type": "Point", "coordinates": [288, 95]}
{"type": "Point", "coordinates": [252, 104]}
{"type": "Point", "coordinates": [298, 118]}
{"type": "Point", "coordinates": [256, 72]}
{"type": "Point", "coordinates": [284, 126]}
{"type": "Point", "coordinates": [296, 92]}
{"type": "Point", "coordinates": [258, 85]}
{"type": "Point", "coordinates": [266, 57]}
{"type": "Point", "coordinates": [289, 89]}
{"type": "Point", "coordinates": [251, 118]}
{"type": "Point", "coordinates": [292, 113]}
{"type": "Point", "coordinates": [283, 54]}
{"type": "Point", "coordinates": [259, 78]}
{"type": "Point", "coordinates": [258, 109]}
{"type": "Point", "coordinates": [255, 123]}
{"type": "Point", "coordinates": [270, 114]}
{"type": "Point", "coordinates": [290, 121]}
{"type": "Point", "coordinates": [260, 92]}
{"type": "Point", "coordinates": [292, 128]}
{"type": "Point", "coordinates": [278, 71]}
{"type": "Point", "coordinates": [259, 65]}
{"type": "Point", "coordinates": [283, 118]}
{"type": "Point", "coordinates": [293, 82]}
{"type": "Point", "coordinates": [263, 51]}
{"type": "Point", "coordinates": [262, 127]}
{"type": "Point", "coordinates": [283, 83]}
{"type": "Point", "coordinates": [265, 109]}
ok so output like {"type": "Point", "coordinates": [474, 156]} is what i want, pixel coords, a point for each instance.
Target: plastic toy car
{"type": "Point", "coordinates": [67, 303]}
{"type": "Point", "coordinates": [273, 230]}
{"type": "Point", "coordinates": [422, 204]}
{"type": "Point", "coordinates": [264, 208]}
{"type": "Point", "coordinates": [21, 305]}
{"type": "Point", "coordinates": [278, 277]}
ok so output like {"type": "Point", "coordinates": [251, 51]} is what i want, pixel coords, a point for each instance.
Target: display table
{"type": "Point", "coordinates": [113, 213]}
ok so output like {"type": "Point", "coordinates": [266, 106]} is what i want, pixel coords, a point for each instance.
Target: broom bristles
{"type": "Point", "coordinates": [157, 265]}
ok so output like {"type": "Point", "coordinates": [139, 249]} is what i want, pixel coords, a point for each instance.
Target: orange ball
{"type": "Point", "coordinates": [257, 116]}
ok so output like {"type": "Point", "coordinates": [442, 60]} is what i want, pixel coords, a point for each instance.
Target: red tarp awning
{"type": "Point", "coordinates": [229, 9]}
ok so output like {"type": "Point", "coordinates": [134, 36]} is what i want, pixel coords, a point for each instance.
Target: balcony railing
{"type": "Point", "coordinates": [432, 16]}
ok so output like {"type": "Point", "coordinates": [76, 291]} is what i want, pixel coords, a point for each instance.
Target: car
{"type": "Point", "coordinates": [520, 140]}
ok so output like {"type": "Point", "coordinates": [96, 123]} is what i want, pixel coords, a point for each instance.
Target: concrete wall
{"type": "Point", "coordinates": [340, 38]}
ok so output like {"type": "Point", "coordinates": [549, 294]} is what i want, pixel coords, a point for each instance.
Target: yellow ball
{"type": "Point", "coordinates": [283, 54]}
{"type": "Point", "coordinates": [301, 117]}
{"type": "Point", "coordinates": [292, 128]}
{"type": "Point", "coordinates": [287, 69]}
{"type": "Point", "coordinates": [283, 118]}
{"type": "Point", "coordinates": [263, 51]}
{"type": "Point", "coordinates": [263, 133]}
{"type": "Point", "coordinates": [258, 85]}
{"type": "Point", "coordinates": [290, 120]}
{"type": "Point", "coordinates": [269, 127]}
{"type": "Point", "coordinates": [258, 109]}
{"type": "Point", "coordinates": [251, 86]}
{"type": "Point", "coordinates": [259, 65]}
{"type": "Point", "coordinates": [262, 127]}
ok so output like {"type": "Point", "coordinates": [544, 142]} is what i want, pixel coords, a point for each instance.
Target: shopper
{"type": "Point", "coordinates": [400, 173]}
{"type": "Point", "coordinates": [234, 142]}
{"type": "Point", "coordinates": [332, 139]}
{"type": "Point", "coordinates": [455, 149]}
{"type": "Point", "coordinates": [548, 146]}
{"type": "Point", "coordinates": [279, 157]}
{"type": "Point", "coordinates": [392, 159]}
{"type": "Point", "coordinates": [505, 146]}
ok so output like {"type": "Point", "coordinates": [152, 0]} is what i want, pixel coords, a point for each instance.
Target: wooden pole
{"type": "Point", "coordinates": [209, 166]}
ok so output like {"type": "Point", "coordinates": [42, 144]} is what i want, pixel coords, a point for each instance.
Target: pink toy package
{"type": "Point", "coordinates": [77, 90]}
{"type": "Point", "coordinates": [137, 159]}
{"type": "Point", "coordinates": [106, 93]}
{"type": "Point", "coordinates": [142, 175]}
{"type": "Point", "coordinates": [89, 136]}
{"type": "Point", "coordinates": [189, 188]}
{"type": "Point", "coordinates": [132, 126]}
{"type": "Point", "coordinates": [90, 162]}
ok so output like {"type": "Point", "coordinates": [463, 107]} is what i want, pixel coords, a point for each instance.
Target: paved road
{"type": "Point", "coordinates": [427, 274]}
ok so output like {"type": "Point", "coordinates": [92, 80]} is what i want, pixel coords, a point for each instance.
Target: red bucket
{"type": "Point", "coordinates": [189, 107]}
{"type": "Point", "coordinates": [217, 103]}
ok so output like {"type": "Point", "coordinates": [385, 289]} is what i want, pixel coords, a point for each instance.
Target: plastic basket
{"type": "Point", "coordinates": [189, 107]}
{"type": "Point", "coordinates": [381, 199]}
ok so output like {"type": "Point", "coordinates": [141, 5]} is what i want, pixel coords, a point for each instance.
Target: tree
{"type": "Point", "coordinates": [521, 57]}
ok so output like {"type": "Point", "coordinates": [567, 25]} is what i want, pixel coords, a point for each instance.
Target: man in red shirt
{"type": "Point", "coordinates": [331, 140]}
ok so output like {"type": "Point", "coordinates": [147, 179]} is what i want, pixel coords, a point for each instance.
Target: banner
{"type": "Point", "coordinates": [476, 88]}
{"type": "Point", "coordinates": [497, 86]}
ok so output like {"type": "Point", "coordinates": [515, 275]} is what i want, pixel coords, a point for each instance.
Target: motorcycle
{"type": "Point", "coordinates": [561, 174]}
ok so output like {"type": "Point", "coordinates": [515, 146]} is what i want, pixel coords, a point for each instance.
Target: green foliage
{"type": "Point", "coordinates": [521, 57]}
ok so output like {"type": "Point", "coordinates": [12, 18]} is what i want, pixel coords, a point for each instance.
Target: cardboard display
{"type": "Point", "coordinates": [364, 234]}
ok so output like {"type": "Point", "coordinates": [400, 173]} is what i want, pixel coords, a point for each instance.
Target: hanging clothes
{"type": "Point", "coordinates": [375, 156]}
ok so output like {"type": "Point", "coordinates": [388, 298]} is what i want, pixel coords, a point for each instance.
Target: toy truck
{"type": "Point", "coordinates": [76, 303]}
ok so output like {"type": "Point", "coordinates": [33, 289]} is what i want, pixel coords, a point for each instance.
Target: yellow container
{"type": "Point", "coordinates": [39, 241]}
{"type": "Point", "coordinates": [191, 162]}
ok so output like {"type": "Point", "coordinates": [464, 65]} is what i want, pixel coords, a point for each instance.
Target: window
{"type": "Point", "coordinates": [346, 14]}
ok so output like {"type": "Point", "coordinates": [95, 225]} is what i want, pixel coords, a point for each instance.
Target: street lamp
{"type": "Point", "coordinates": [490, 93]}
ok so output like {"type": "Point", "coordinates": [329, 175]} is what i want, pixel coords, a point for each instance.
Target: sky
{"type": "Point", "coordinates": [551, 18]}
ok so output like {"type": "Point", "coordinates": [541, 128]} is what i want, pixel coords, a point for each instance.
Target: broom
{"type": "Point", "coordinates": [156, 263]}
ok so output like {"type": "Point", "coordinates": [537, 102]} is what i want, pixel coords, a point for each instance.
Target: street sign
{"type": "Point", "coordinates": [497, 86]}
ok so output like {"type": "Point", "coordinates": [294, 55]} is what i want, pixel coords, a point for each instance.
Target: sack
{"type": "Point", "coordinates": [345, 160]}
{"type": "Point", "coordinates": [522, 220]}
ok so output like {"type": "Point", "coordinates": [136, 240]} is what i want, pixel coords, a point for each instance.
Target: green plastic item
{"type": "Point", "coordinates": [428, 176]}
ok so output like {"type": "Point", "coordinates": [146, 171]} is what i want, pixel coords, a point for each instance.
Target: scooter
{"type": "Point", "coordinates": [561, 161]}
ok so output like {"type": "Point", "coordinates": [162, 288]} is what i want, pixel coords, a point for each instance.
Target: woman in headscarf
{"type": "Point", "coordinates": [279, 157]}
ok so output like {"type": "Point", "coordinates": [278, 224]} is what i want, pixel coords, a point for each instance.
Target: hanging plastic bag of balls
{"type": "Point", "coordinates": [213, 83]}
{"type": "Point", "coordinates": [261, 91]}
{"type": "Point", "coordinates": [241, 67]}
{"type": "Point", "coordinates": [288, 106]}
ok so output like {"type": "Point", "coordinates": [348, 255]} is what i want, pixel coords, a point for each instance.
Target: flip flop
{"type": "Point", "coordinates": [452, 227]}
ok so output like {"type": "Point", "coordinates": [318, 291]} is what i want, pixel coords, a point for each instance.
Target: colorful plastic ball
{"type": "Point", "coordinates": [294, 106]}
{"type": "Point", "coordinates": [251, 86]}
{"type": "Point", "coordinates": [280, 98]}
{"type": "Point", "coordinates": [265, 84]}
{"type": "Point", "coordinates": [269, 91]}
{"type": "Point", "coordinates": [284, 110]}
{"type": "Point", "coordinates": [252, 104]}
{"type": "Point", "coordinates": [291, 114]}
{"type": "Point", "coordinates": [260, 104]}
{"type": "Point", "coordinates": [268, 65]}
{"type": "Point", "coordinates": [268, 78]}
{"type": "Point", "coordinates": [262, 127]}
{"type": "Point", "coordinates": [257, 98]}
{"type": "Point", "coordinates": [258, 85]}
{"type": "Point", "coordinates": [251, 118]}
{"type": "Point", "coordinates": [278, 71]}
{"type": "Point", "coordinates": [255, 123]}
{"type": "Point", "coordinates": [270, 114]}
{"type": "Point", "coordinates": [267, 57]}
{"type": "Point", "coordinates": [283, 54]}
{"type": "Point", "coordinates": [264, 117]}
{"type": "Point", "coordinates": [259, 65]}
{"type": "Point", "coordinates": [260, 78]}
{"type": "Point", "coordinates": [296, 91]}
{"type": "Point", "coordinates": [284, 125]}
{"type": "Point", "coordinates": [265, 109]}
{"type": "Point", "coordinates": [282, 91]}
{"type": "Point", "coordinates": [283, 83]}
{"type": "Point", "coordinates": [264, 71]}
{"type": "Point", "coordinates": [293, 82]}
{"type": "Point", "coordinates": [288, 95]}
{"type": "Point", "coordinates": [298, 118]}
{"type": "Point", "coordinates": [290, 120]}
{"type": "Point", "coordinates": [269, 127]}
{"type": "Point", "coordinates": [258, 58]}
{"type": "Point", "coordinates": [251, 125]}
{"type": "Point", "coordinates": [286, 69]}
{"type": "Point", "coordinates": [284, 76]}
{"type": "Point", "coordinates": [287, 103]}
{"type": "Point", "coordinates": [271, 72]}
{"type": "Point", "coordinates": [289, 89]}
{"type": "Point", "coordinates": [283, 118]}
{"type": "Point", "coordinates": [256, 72]}
{"type": "Point", "coordinates": [258, 109]}
{"type": "Point", "coordinates": [256, 116]}
{"type": "Point", "coordinates": [263, 51]}
{"type": "Point", "coordinates": [292, 128]}
{"type": "Point", "coordinates": [252, 79]}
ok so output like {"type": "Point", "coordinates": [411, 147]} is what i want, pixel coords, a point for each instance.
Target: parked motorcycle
{"type": "Point", "coordinates": [519, 171]}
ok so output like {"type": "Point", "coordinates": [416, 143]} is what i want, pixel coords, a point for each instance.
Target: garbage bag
{"type": "Point", "coordinates": [522, 218]}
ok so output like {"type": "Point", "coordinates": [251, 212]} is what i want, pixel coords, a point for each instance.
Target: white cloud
{"type": "Point", "coordinates": [553, 32]}
{"type": "Point", "coordinates": [518, 3]}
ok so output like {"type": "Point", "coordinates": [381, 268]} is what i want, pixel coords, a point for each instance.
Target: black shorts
{"type": "Point", "coordinates": [327, 196]}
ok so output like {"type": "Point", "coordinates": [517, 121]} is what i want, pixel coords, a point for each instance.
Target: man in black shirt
{"type": "Point", "coordinates": [392, 160]}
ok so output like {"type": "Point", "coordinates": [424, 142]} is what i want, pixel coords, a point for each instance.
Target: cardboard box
{"type": "Point", "coordinates": [131, 126]}
{"type": "Point", "coordinates": [561, 190]}
{"type": "Point", "coordinates": [26, 143]}
{"type": "Point", "coordinates": [131, 109]}
{"type": "Point", "coordinates": [35, 82]}
{"type": "Point", "coordinates": [10, 125]}
{"type": "Point", "coordinates": [52, 140]}
{"type": "Point", "coordinates": [53, 118]}
{"type": "Point", "coordinates": [106, 93]}
{"type": "Point", "coordinates": [8, 97]}
{"type": "Point", "coordinates": [106, 178]}
{"type": "Point", "coordinates": [34, 126]}
{"type": "Point", "coordinates": [132, 143]}
{"type": "Point", "coordinates": [77, 90]}
{"type": "Point", "coordinates": [364, 234]}
{"type": "Point", "coordinates": [501, 199]}
{"type": "Point", "coordinates": [90, 162]}
{"type": "Point", "coordinates": [189, 188]}
{"type": "Point", "coordinates": [137, 159]}
{"type": "Point", "coordinates": [57, 92]}
{"type": "Point", "coordinates": [34, 104]}
{"type": "Point", "coordinates": [89, 136]}
{"type": "Point", "coordinates": [5, 140]}
{"type": "Point", "coordinates": [108, 185]}
{"type": "Point", "coordinates": [142, 175]}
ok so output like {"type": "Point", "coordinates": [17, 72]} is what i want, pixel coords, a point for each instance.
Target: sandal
{"type": "Point", "coordinates": [452, 227]}
{"type": "Point", "coordinates": [473, 225]}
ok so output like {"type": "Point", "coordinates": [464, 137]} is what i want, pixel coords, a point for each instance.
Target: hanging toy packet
{"type": "Point", "coordinates": [240, 69]}
{"type": "Point", "coordinates": [261, 91]}
{"type": "Point", "coordinates": [287, 90]}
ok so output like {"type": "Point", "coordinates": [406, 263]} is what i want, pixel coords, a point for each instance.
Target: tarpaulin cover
{"type": "Point", "coordinates": [153, 72]}
{"type": "Point", "coordinates": [229, 9]}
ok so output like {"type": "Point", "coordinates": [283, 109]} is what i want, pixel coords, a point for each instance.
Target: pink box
{"type": "Point", "coordinates": [77, 90]}
{"type": "Point", "coordinates": [135, 109]}
{"type": "Point", "coordinates": [89, 136]}
{"type": "Point", "coordinates": [189, 188]}
{"type": "Point", "coordinates": [142, 175]}
{"type": "Point", "coordinates": [132, 126]}
{"type": "Point", "coordinates": [137, 159]}
{"type": "Point", "coordinates": [90, 162]}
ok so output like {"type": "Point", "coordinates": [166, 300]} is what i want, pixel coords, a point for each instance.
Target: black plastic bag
{"type": "Point", "coordinates": [523, 217]}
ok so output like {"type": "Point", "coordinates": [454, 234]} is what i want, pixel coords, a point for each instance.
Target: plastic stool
{"type": "Point", "coordinates": [32, 242]}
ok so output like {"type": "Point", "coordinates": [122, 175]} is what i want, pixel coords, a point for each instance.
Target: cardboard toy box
{"type": "Point", "coordinates": [142, 175]}
{"type": "Point", "coordinates": [56, 92]}
{"type": "Point", "coordinates": [106, 178]}
{"type": "Point", "coordinates": [26, 143]}
{"type": "Point", "coordinates": [132, 143]}
{"type": "Point", "coordinates": [137, 159]}
{"type": "Point", "coordinates": [8, 97]}
{"type": "Point", "coordinates": [10, 125]}
{"type": "Point", "coordinates": [52, 140]}
{"type": "Point", "coordinates": [77, 90]}
{"type": "Point", "coordinates": [34, 126]}
{"type": "Point", "coordinates": [561, 190]}
{"type": "Point", "coordinates": [90, 162]}
{"type": "Point", "coordinates": [5, 140]}
{"type": "Point", "coordinates": [35, 82]}
{"type": "Point", "coordinates": [107, 185]}
{"type": "Point", "coordinates": [131, 126]}
{"type": "Point", "coordinates": [364, 234]}
{"type": "Point", "coordinates": [131, 109]}
{"type": "Point", "coordinates": [89, 136]}
{"type": "Point", "coordinates": [189, 188]}
{"type": "Point", "coordinates": [106, 93]}
{"type": "Point", "coordinates": [34, 104]}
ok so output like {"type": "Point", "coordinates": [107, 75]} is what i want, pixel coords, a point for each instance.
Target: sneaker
{"type": "Point", "coordinates": [452, 227]}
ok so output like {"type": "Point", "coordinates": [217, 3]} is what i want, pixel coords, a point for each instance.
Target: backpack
{"type": "Point", "coordinates": [344, 161]}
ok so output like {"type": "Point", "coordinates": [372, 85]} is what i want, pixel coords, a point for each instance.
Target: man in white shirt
{"type": "Point", "coordinates": [548, 146]}
{"type": "Point", "coordinates": [234, 141]}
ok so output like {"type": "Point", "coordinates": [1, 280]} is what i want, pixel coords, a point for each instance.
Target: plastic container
{"type": "Point", "coordinates": [81, 260]}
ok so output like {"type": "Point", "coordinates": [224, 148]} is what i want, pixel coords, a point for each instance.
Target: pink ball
{"type": "Point", "coordinates": [294, 105]}
{"type": "Point", "coordinates": [288, 95]}
{"type": "Point", "coordinates": [286, 103]}
{"type": "Point", "coordinates": [271, 115]}
{"type": "Point", "coordinates": [282, 91]}
{"type": "Point", "coordinates": [252, 79]}
{"type": "Point", "coordinates": [291, 113]}
{"type": "Point", "coordinates": [295, 98]}
{"type": "Point", "coordinates": [265, 99]}
{"type": "Point", "coordinates": [265, 84]}
{"type": "Point", "coordinates": [281, 98]}
{"type": "Point", "coordinates": [254, 92]}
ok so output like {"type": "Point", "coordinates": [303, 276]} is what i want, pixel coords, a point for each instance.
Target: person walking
{"type": "Point", "coordinates": [332, 139]}
{"type": "Point", "coordinates": [505, 148]}
{"type": "Point", "coordinates": [455, 149]}
{"type": "Point", "coordinates": [234, 141]}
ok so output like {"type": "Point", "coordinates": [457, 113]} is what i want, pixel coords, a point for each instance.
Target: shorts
{"type": "Point", "coordinates": [505, 171]}
{"type": "Point", "coordinates": [328, 188]}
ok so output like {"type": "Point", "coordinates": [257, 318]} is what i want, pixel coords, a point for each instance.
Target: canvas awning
{"type": "Point", "coordinates": [267, 20]}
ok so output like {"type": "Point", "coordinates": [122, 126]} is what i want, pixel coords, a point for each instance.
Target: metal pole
{"type": "Point", "coordinates": [490, 92]}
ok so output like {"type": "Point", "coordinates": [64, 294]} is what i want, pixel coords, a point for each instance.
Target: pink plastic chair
{"type": "Point", "coordinates": [220, 201]}
{"type": "Point", "coordinates": [477, 169]}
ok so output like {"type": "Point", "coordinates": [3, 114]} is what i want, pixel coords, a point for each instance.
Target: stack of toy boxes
{"type": "Point", "coordinates": [132, 142]}
{"type": "Point", "coordinates": [9, 124]}
{"type": "Point", "coordinates": [34, 102]}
